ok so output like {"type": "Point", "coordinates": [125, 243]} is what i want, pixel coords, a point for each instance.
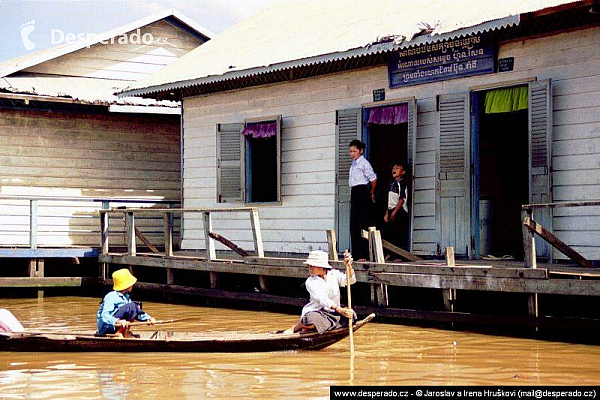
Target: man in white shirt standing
{"type": "Point", "coordinates": [363, 181]}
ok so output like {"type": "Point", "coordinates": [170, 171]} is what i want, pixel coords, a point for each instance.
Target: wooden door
{"type": "Point", "coordinates": [348, 128]}
{"type": "Point", "coordinates": [540, 157]}
{"type": "Point", "coordinates": [453, 178]}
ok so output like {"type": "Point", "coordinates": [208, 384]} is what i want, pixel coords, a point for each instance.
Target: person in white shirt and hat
{"type": "Point", "coordinates": [324, 311]}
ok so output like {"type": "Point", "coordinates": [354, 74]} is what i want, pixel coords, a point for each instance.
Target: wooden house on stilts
{"type": "Point", "coordinates": [499, 104]}
{"type": "Point", "coordinates": [69, 147]}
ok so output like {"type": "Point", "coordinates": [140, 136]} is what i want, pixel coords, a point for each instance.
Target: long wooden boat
{"type": "Point", "coordinates": [163, 341]}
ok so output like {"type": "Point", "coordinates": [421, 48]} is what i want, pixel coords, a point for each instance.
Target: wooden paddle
{"type": "Point", "coordinates": [165, 321]}
{"type": "Point", "coordinates": [61, 331]}
{"type": "Point", "coordinates": [348, 264]}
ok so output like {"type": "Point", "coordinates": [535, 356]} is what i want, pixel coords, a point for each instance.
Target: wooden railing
{"type": "Point", "coordinates": [56, 226]}
{"type": "Point", "coordinates": [168, 213]}
{"type": "Point", "coordinates": [531, 227]}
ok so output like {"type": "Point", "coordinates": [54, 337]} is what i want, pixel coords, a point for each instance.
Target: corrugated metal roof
{"type": "Point", "coordinates": [317, 31]}
{"type": "Point", "coordinates": [82, 90]}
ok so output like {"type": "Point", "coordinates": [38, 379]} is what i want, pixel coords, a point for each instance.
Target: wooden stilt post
{"type": "Point", "coordinates": [332, 245]}
{"type": "Point", "coordinates": [104, 232]}
{"type": "Point", "coordinates": [36, 270]}
{"type": "Point", "coordinates": [530, 257]}
{"type": "Point", "coordinates": [170, 276]}
{"type": "Point", "coordinates": [214, 280]}
{"type": "Point", "coordinates": [378, 291]}
{"type": "Point", "coordinates": [32, 267]}
{"type": "Point", "coordinates": [104, 218]}
{"type": "Point", "coordinates": [40, 268]}
{"type": "Point", "coordinates": [168, 227]}
{"type": "Point", "coordinates": [449, 294]}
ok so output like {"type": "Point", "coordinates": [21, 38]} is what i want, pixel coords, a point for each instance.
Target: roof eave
{"type": "Point", "coordinates": [357, 52]}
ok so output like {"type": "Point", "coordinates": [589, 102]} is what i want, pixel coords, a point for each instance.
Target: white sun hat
{"type": "Point", "coordinates": [318, 258]}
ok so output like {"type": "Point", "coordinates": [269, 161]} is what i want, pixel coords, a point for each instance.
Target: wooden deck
{"type": "Point", "coordinates": [496, 276]}
{"type": "Point", "coordinates": [171, 271]}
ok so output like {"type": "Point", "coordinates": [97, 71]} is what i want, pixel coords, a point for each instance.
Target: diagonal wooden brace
{"type": "Point", "coordinates": [556, 242]}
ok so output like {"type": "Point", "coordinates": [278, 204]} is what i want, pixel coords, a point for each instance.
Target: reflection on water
{"type": "Point", "coordinates": [384, 355]}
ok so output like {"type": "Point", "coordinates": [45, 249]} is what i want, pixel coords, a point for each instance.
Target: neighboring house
{"type": "Point", "coordinates": [492, 104]}
{"type": "Point", "coordinates": [69, 147]}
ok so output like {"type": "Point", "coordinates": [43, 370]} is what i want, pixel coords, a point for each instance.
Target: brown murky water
{"type": "Point", "coordinates": [385, 355]}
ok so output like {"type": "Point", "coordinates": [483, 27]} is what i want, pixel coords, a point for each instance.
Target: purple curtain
{"type": "Point", "coordinates": [261, 131]}
{"type": "Point", "coordinates": [392, 115]}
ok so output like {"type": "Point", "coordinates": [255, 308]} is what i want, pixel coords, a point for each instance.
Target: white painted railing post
{"type": "Point", "coordinates": [130, 229]}
{"type": "Point", "coordinates": [167, 221]}
{"type": "Point", "coordinates": [449, 295]}
{"type": "Point", "coordinates": [33, 223]}
{"type": "Point", "coordinates": [332, 245]}
{"type": "Point", "coordinates": [256, 233]}
{"type": "Point", "coordinates": [211, 253]}
{"type": "Point", "coordinates": [529, 256]}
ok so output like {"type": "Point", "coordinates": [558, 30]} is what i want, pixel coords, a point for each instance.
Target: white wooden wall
{"type": "Point", "coordinates": [82, 156]}
{"type": "Point", "coordinates": [123, 61]}
{"type": "Point", "coordinates": [571, 60]}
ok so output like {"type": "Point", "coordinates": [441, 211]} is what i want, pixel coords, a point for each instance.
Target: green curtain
{"type": "Point", "coordinates": [506, 100]}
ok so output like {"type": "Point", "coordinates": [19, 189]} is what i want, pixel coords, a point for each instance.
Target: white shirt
{"type": "Point", "coordinates": [361, 172]}
{"type": "Point", "coordinates": [396, 193]}
{"type": "Point", "coordinates": [325, 293]}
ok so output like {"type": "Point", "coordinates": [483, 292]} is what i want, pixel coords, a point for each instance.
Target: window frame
{"type": "Point", "coordinates": [246, 167]}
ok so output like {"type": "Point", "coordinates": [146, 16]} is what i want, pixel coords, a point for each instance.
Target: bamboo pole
{"type": "Point", "coordinates": [348, 263]}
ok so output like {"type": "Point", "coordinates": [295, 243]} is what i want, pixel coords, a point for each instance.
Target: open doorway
{"type": "Point", "coordinates": [387, 144]}
{"type": "Point", "coordinates": [503, 177]}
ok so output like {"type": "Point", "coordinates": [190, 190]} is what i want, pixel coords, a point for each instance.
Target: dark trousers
{"type": "Point", "coordinates": [128, 312]}
{"type": "Point", "coordinates": [361, 217]}
{"type": "Point", "coordinates": [396, 231]}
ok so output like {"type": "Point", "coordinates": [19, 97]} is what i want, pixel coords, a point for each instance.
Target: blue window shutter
{"type": "Point", "coordinates": [540, 157]}
{"type": "Point", "coordinates": [229, 163]}
{"type": "Point", "coordinates": [348, 128]}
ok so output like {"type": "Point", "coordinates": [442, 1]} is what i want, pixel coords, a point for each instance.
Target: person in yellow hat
{"type": "Point", "coordinates": [117, 309]}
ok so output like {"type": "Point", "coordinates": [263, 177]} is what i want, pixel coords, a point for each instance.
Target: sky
{"type": "Point", "coordinates": [27, 23]}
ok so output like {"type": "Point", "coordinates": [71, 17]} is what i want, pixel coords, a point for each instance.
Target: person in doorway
{"type": "Point", "coordinates": [395, 220]}
{"type": "Point", "coordinates": [363, 182]}
{"type": "Point", "coordinates": [324, 311]}
{"type": "Point", "coordinates": [117, 309]}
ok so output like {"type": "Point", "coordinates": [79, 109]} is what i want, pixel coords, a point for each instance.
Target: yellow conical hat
{"type": "Point", "coordinates": [122, 279]}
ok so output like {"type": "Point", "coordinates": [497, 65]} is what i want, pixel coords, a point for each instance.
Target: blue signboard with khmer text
{"type": "Point", "coordinates": [449, 59]}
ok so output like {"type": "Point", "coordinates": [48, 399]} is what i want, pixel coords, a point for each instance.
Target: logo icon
{"type": "Point", "coordinates": [26, 29]}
